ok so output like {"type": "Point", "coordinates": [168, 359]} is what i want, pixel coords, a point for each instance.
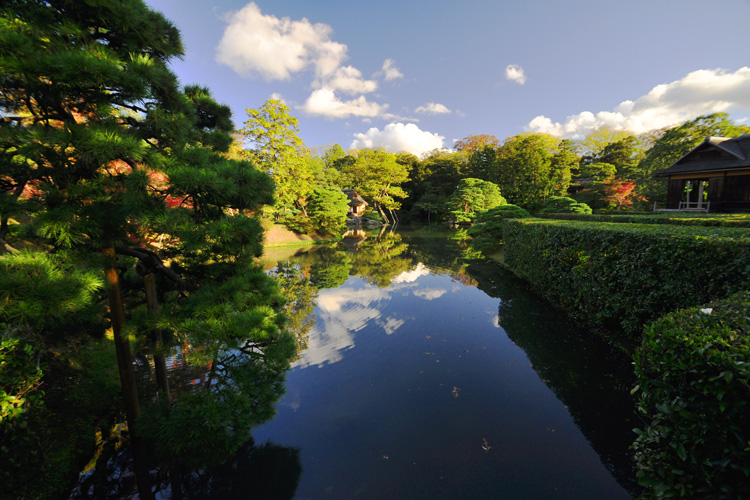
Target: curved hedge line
{"type": "Point", "coordinates": [620, 276]}
{"type": "Point", "coordinates": [684, 219]}
{"type": "Point", "coordinates": [693, 371]}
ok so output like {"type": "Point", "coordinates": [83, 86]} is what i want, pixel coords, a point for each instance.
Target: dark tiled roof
{"type": "Point", "coordinates": [733, 154]}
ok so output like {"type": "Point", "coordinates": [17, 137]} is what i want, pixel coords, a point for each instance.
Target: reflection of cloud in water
{"type": "Point", "coordinates": [430, 293]}
{"type": "Point", "coordinates": [336, 300]}
{"type": "Point", "coordinates": [391, 325]}
{"type": "Point", "coordinates": [345, 310]}
{"type": "Point", "coordinates": [411, 276]}
{"type": "Point", "coordinates": [333, 332]}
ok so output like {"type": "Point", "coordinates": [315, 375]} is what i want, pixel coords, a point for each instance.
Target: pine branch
{"type": "Point", "coordinates": [153, 262]}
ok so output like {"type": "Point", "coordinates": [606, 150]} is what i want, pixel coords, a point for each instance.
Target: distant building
{"type": "Point", "coordinates": [714, 176]}
{"type": "Point", "coordinates": [356, 203]}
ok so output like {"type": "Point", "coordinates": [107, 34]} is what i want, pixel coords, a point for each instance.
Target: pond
{"type": "Point", "coordinates": [428, 371]}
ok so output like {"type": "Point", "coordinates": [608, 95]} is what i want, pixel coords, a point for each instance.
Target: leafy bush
{"type": "Point", "coordinates": [693, 372]}
{"type": "Point", "coordinates": [618, 277]}
{"type": "Point", "coordinates": [563, 204]}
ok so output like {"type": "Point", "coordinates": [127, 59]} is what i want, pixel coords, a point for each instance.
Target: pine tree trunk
{"type": "Point", "coordinates": [160, 363]}
{"type": "Point", "coordinates": [127, 374]}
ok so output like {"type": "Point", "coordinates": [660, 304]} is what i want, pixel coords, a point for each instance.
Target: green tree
{"type": "Point", "coordinates": [473, 143]}
{"type": "Point", "coordinates": [273, 144]}
{"type": "Point", "coordinates": [377, 177]}
{"type": "Point", "coordinates": [120, 161]}
{"type": "Point", "coordinates": [328, 208]}
{"type": "Point", "coordinates": [524, 169]}
{"type": "Point", "coordinates": [471, 197]}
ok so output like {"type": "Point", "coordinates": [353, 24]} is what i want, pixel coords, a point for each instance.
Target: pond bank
{"type": "Point", "coordinates": [280, 236]}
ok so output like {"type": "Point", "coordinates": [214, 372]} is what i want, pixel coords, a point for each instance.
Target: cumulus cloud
{"type": "Point", "coordinates": [515, 73]}
{"type": "Point", "coordinates": [397, 137]}
{"type": "Point", "coordinates": [325, 102]}
{"type": "Point", "coordinates": [433, 108]}
{"type": "Point", "coordinates": [698, 93]}
{"type": "Point", "coordinates": [390, 71]}
{"type": "Point", "coordinates": [255, 44]}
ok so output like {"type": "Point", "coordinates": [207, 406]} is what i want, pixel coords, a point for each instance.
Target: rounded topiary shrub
{"type": "Point", "coordinates": [693, 371]}
{"type": "Point", "coordinates": [564, 205]}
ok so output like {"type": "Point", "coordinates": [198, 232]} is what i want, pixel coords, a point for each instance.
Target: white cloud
{"type": "Point", "coordinates": [698, 93]}
{"type": "Point", "coordinates": [397, 137]}
{"type": "Point", "coordinates": [325, 102]}
{"type": "Point", "coordinates": [390, 71]}
{"type": "Point", "coordinates": [433, 108]}
{"type": "Point", "coordinates": [254, 43]}
{"type": "Point", "coordinates": [349, 79]}
{"type": "Point", "coordinates": [515, 73]}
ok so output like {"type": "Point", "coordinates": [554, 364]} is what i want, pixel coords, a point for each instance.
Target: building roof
{"type": "Point", "coordinates": [354, 198]}
{"type": "Point", "coordinates": [714, 154]}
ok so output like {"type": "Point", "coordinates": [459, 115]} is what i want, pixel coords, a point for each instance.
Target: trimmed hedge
{"type": "Point", "coordinates": [693, 371]}
{"type": "Point", "coordinates": [684, 219]}
{"type": "Point", "coordinates": [618, 277]}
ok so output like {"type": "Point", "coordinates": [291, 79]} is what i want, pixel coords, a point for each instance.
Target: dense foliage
{"type": "Point", "coordinates": [564, 205]}
{"type": "Point", "coordinates": [620, 276]}
{"type": "Point", "coordinates": [487, 231]}
{"type": "Point", "coordinates": [693, 371]}
{"type": "Point", "coordinates": [471, 197]}
{"type": "Point", "coordinates": [113, 167]}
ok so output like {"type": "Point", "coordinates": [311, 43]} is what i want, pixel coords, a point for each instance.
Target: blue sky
{"type": "Point", "coordinates": [416, 75]}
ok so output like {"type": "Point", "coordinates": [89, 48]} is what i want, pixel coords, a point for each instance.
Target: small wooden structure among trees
{"type": "Point", "coordinates": [714, 176]}
{"type": "Point", "coordinates": [357, 204]}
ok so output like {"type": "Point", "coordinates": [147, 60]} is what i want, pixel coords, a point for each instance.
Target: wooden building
{"type": "Point", "coordinates": [357, 204]}
{"type": "Point", "coordinates": [713, 177]}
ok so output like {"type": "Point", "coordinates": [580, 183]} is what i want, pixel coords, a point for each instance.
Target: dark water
{"type": "Point", "coordinates": [429, 372]}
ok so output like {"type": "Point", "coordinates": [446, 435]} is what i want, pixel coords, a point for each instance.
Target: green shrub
{"type": "Point", "coordinates": [618, 277]}
{"type": "Point", "coordinates": [563, 204]}
{"type": "Point", "coordinates": [488, 228]}
{"type": "Point", "coordinates": [693, 371]}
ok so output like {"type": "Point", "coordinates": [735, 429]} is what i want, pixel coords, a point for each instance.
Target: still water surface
{"type": "Point", "coordinates": [429, 372]}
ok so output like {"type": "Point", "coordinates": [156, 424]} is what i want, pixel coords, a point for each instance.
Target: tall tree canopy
{"type": "Point", "coordinates": [525, 171]}
{"type": "Point", "coordinates": [273, 143]}
{"type": "Point", "coordinates": [105, 152]}
{"type": "Point", "coordinates": [472, 143]}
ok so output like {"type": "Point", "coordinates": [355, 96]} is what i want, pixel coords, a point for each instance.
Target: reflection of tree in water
{"type": "Point", "coordinates": [300, 294]}
{"type": "Point", "coordinates": [330, 268]}
{"type": "Point", "coordinates": [592, 379]}
{"type": "Point", "coordinates": [264, 472]}
{"type": "Point", "coordinates": [379, 260]}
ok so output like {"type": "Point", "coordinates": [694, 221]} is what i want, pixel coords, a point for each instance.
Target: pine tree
{"type": "Point", "coordinates": [114, 162]}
